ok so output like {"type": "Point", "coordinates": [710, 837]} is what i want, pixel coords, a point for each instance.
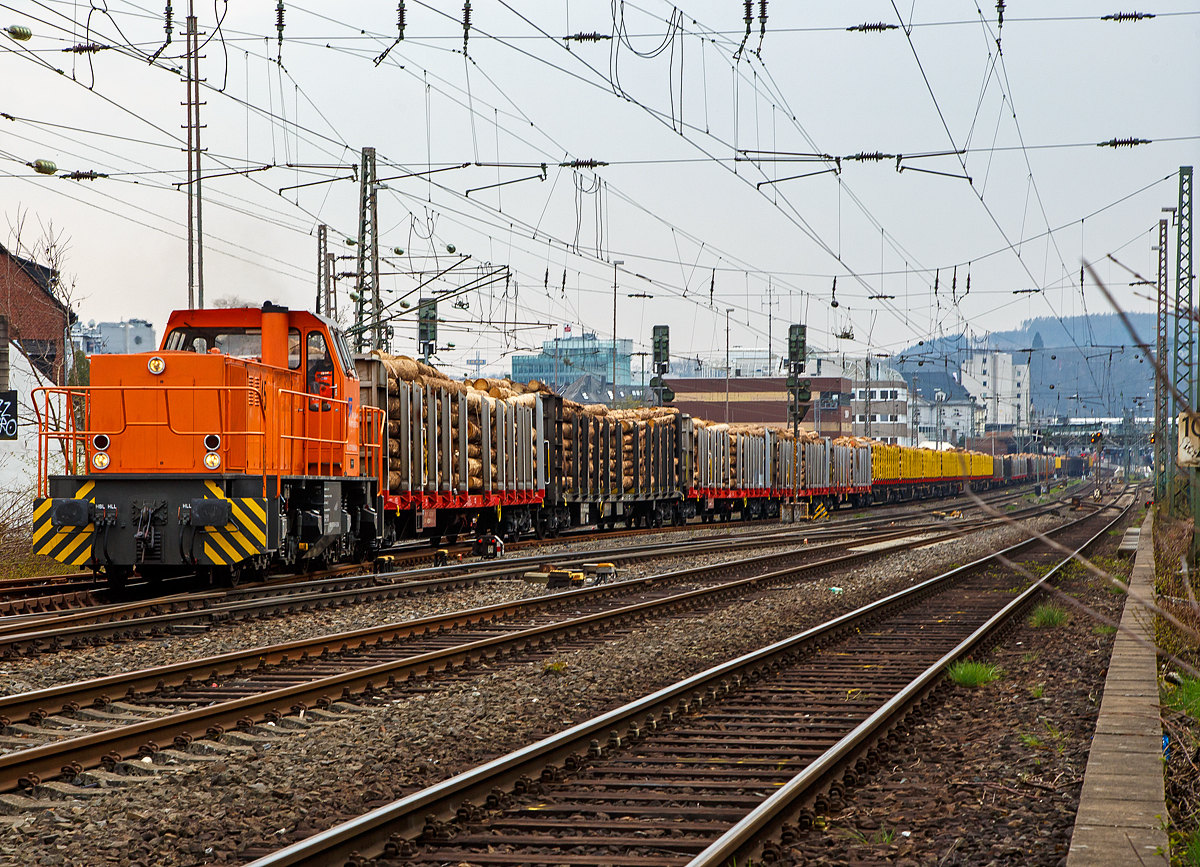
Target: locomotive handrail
{"type": "Point", "coordinates": [323, 449]}
{"type": "Point", "coordinates": [372, 421]}
{"type": "Point", "coordinates": [73, 440]}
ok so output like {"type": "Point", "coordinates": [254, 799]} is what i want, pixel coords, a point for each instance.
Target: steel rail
{"type": "Point", "coordinates": [406, 818]}
{"type": "Point", "coordinates": [47, 701]}
{"type": "Point", "coordinates": [744, 842]}
{"type": "Point", "coordinates": [70, 755]}
{"type": "Point", "coordinates": [213, 606]}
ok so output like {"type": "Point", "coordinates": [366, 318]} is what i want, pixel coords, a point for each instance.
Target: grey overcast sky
{"type": "Point", "coordinates": [690, 122]}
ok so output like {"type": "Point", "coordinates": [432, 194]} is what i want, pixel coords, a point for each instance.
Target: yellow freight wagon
{"type": "Point", "coordinates": [885, 462]}
{"type": "Point", "coordinates": [931, 464]}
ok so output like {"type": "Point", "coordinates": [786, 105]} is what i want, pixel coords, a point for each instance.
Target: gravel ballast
{"type": "Point", "coordinates": [251, 795]}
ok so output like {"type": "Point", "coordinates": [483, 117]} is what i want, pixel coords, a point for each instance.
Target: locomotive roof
{"type": "Point", "coordinates": [241, 317]}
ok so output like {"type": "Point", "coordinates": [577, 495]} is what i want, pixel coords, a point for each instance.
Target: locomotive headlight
{"type": "Point", "coordinates": [100, 442]}
{"type": "Point", "coordinates": [156, 365]}
{"type": "Point", "coordinates": [100, 460]}
{"type": "Point", "coordinates": [212, 460]}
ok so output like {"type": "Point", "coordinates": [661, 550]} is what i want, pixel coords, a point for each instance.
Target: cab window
{"type": "Point", "coordinates": [294, 354]}
{"type": "Point", "coordinates": [343, 351]}
{"type": "Point", "coordinates": [320, 365]}
{"type": "Point", "coordinates": [238, 342]}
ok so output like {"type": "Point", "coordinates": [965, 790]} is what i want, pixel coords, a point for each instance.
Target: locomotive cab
{"type": "Point", "coordinates": [239, 443]}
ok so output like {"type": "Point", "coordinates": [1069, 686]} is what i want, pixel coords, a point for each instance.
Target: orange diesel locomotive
{"type": "Point", "coordinates": [240, 443]}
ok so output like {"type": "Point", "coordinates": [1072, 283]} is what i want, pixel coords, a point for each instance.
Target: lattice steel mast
{"type": "Point", "coordinates": [367, 287]}
{"type": "Point", "coordinates": [323, 275]}
{"type": "Point", "coordinates": [1185, 335]}
{"type": "Point", "coordinates": [1161, 392]}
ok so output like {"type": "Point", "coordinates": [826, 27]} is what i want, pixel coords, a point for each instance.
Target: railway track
{"type": "Point", "coordinates": [271, 683]}
{"type": "Point", "coordinates": [67, 592]}
{"type": "Point", "coordinates": [725, 767]}
{"type": "Point", "coordinates": [154, 618]}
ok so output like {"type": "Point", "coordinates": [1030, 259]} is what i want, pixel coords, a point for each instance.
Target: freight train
{"type": "Point", "coordinates": [255, 438]}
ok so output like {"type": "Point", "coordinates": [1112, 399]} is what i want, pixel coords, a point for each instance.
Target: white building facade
{"type": "Point", "coordinates": [1001, 387]}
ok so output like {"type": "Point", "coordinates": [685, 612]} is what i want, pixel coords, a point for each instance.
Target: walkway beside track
{"type": "Point", "coordinates": [1122, 809]}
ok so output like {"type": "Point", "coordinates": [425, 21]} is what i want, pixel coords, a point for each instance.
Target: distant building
{"type": "Point", "coordinates": [743, 362]}
{"type": "Point", "coordinates": [1001, 387]}
{"type": "Point", "coordinates": [590, 388]}
{"type": "Point", "coordinates": [565, 359]}
{"type": "Point", "coordinates": [764, 400]}
{"type": "Point", "coordinates": [36, 318]}
{"type": "Point", "coordinates": [135, 335]}
{"type": "Point", "coordinates": [942, 410]}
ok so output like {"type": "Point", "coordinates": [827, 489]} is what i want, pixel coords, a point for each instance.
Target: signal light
{"type": "Point", "coordinates": [427, 321]}
{"type": "Point", "coordinates": [661, 344]}
{"type": "Point", "coordinates": [797, 343]}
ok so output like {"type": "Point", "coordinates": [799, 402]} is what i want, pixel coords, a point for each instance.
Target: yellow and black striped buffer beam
{"type": "Point", "coordinates": [71, 545]}
{"type": "Point", "coordinates": [243, 537]}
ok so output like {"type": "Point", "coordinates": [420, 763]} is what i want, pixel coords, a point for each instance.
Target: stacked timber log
{"type": "Point", "coordinates": [615, 438]}
{"type": "Point", "coordinates": [482, 399]}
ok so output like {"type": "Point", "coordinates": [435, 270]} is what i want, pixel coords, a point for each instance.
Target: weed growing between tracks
{"type": "Point", "coordinates": [1047, 616]}
{"type": "Point", "coordinates": [971, 674]}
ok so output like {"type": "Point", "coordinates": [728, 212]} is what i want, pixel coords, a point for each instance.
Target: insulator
{"type": "Point", "coordinates": [586, 37]}
{"type": "Point", "coordinates": [762, 17]}
{"type": "Point", "coordinates": [874, 156]}
{"type": "Point", "coordinates": [83, 176]}
{"type": "Point", "coordinates": [44, 167]}
{"type": "Point", "coordinates": [582, 164]}
{"type": "Point", "coordinates": [1123, 142]}
{"type": "Point", "coordinates": [999, 13]}
{"type": "Point", "coordinates": [279, 19]}
{"type": "Point", "coordinates": [400, 18]}
{"type": "Point", "coordinates": [749, 14]}
{"type": "Point", "coordinates": [170, 20]}
{"type": "Point", "coordinates": [85, 48]}
{"type": "Point", "coordinates": [19, 32]}
{"type": "Point", "coordinates": [466, 24]}
{"type": "Point", "coordinates": [1127, 16]}
{"type": "Point", "coordinates": [877, 27]}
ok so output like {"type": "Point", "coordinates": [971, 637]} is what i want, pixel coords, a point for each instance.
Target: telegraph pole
{"type": "Point", "coordinates": [728, 310]}
{"type": "Point", "coordinates": [195, 229]}
{"type": "Point", "coordinates": [867, 428]}
{"type": "Point", "coordinates": [616, 262]}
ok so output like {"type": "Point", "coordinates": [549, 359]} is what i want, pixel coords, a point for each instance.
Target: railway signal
{"type": "Point", "coordinates": [661, 346]}
{"type": "Point", "coordinates": [797, 345]}
{"type": "Point", "coordinates": [427, 319]}
{"type": "Point", "coordinates": [799, 390]}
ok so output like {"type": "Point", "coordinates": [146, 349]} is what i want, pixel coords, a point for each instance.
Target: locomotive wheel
{"type": "Point", "coordinates": [227, 576]}
{"type": "Point", "coordinates": [117, 576]}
